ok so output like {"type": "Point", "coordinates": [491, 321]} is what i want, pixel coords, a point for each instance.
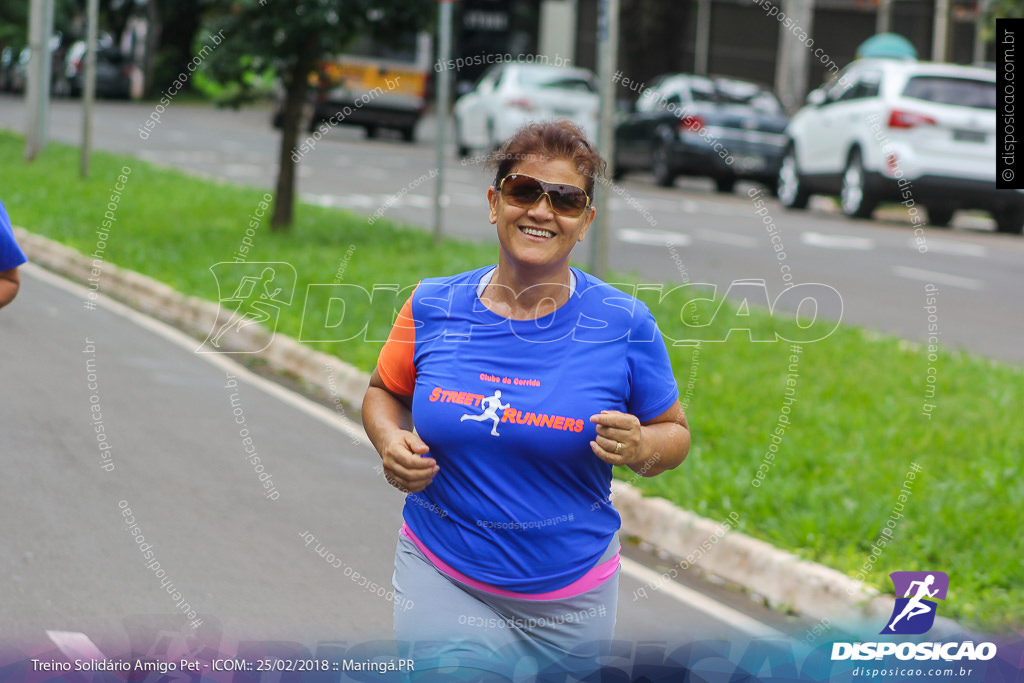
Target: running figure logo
{"type": "Point", "coordinates": [491, 405]}
{"type": "Point", "coordinates": [914, 612]}
{"type": "Point", "coordinates": [258, 291]}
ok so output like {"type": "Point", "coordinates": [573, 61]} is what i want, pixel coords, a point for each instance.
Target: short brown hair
{"type": "Point", "coordinates": [560, 139]}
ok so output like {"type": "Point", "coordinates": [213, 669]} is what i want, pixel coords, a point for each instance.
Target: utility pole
{"type": "Point", "coordinates": [607, 58]}
{"type": "Point", "coordinates": [791, 65]}
{"type": "Point", "coordinates": [979, 33]}
{"type": "Point", "coordinates": [574, 10]}
{"type": "Point", "coordinates": [702, 42]}
{"type": "Point", "coordinates": [443, 99]}
{"type": "Point", "coordinates": [884, 17]}
{"type": "Point", "coordinates": [940, 34]}
{"type": "Point", "coordinates": [37, 87]}
{"type": "Point", "coordinates": [89, 87]}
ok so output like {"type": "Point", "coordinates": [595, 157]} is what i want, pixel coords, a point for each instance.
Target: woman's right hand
{"type": "Point", "coordinates": [405, 468]}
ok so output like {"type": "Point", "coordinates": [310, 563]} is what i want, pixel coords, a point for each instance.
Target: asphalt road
{"type": "Point", "coordinates": [664, 235]}
{"type": "Point", "coordinates": [176, 473]}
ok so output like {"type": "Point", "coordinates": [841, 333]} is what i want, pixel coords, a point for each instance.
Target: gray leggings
{"type": "Point", "coordinates": [442, 623]}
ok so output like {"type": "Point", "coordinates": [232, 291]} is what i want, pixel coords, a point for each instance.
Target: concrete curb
{"type": "Point", "coordinates": [783, 580]}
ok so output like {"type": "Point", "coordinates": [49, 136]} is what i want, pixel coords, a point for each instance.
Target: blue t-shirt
{"type": "Point", "coordinates": [521, 501]}
{"type": "Point", "coordinates": [11, 255]}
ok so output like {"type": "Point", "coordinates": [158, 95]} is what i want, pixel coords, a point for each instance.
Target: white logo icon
{"type": "Point", "coordinates": [491, 405]}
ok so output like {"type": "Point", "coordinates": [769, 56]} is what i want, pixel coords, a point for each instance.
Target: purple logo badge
{"type": "Point", "coordinates": [916, 593]}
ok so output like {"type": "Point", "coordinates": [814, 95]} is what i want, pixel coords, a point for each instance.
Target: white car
{"type": "Point", "coordinates": [512, 94]}
{"type": "Point", "coordinates": [913, 132]}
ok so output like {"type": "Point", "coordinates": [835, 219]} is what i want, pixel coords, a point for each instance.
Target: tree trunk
{"type": "Point", "coordinates": [180, 24]}
{"type": "Point", "coordinates": [154, 27]}
{"type": "Point", "coordinates": [295, 98]}
{"type": "Point", "coordinates": [117, 19]}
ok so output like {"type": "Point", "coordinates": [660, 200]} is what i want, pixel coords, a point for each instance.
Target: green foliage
{"type": "Point", "coordinates": [13, 23]}
{"type": "Point", "coordinates": [177, 25]}
{"type": "Point", "coordinates": [856, 413]}
{"type": "Point", "coordinates": [252, 85]}
{"type": "Point", "coordinates": [269, 37]}
{"type": "Point", "coordinates": [14, 16]}
{"type": "Point", "coordinates": [1000, 9]}
{"type": "Point", "coordinates": [1013, 9]}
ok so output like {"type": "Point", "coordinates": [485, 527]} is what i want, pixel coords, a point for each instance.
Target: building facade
{"type": "Point", "coordinates": [739, 38]}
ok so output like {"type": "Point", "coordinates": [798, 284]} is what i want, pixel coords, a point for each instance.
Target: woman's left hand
{"type": "Point", "coordinates": [620, 438]}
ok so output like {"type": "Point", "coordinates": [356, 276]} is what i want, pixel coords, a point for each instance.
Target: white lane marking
{"type": "Point", "coordinates": [244, 170]}
{"type": "Point", "coordinates": [355, 431]}
{"type": "Point", "coordinates": [653, 238]}
{"type": "Point", "coordinates": [639, 204]}
{"type": "Point", "coordinates": [938, 278]}
{"type": "Point", "coordinates": [474, 190]}
{"type": "Point", "coordinates": [344, 201]}
{"type": "Point", "coordinates": [374, 173]}
{"type": "Point", "coordinates": [951, 247]}
{"type": "Point", "coordinates": [615, 204]}
{"type": "Point", "coordinates": [76, 645]}
{"type": "Point", "coordinates": [699, 601]}
{"type": "Point", "coordinates": [182, 156]}
{"type": "Point", "coordinates": [666, 205]}
{"type": "Point", "coordinates": [420, 201]}
{"type": "Point", "coordinates": [817, 239]}
{"type": "Point", "coordinates": [729, 238]}
{"type": "Point", "coordinates": [386, 201]}
{"type": "Point", "coordinates": [171, 334]}
{"type": "Point", "coordinates": [726, 210]}
{"type": "Point", "coordinates": [461, 199]}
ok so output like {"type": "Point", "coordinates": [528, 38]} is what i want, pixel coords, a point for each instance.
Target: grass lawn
{"type": "Point", "coordinates": [854, 405]}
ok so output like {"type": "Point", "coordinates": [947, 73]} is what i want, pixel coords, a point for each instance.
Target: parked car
{"type": "Point", "coordinates": [722, 128]}
{"type": "Point", "coordinates": [19, 71]}
{"type": "Point", "coordinates": [8, 60]}
{"type": "Point", "coordinates": [900, 130]}
{"type": "Point", "coordinates": [14, 67]}
{"type": "Point", "coordinates": [113, 70]}
{"type": "Point", "coordinates": [511, 94]}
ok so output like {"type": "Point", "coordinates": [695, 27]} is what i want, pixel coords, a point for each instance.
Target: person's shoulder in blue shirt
{"type": "Point", "coordinates": [11, 256]}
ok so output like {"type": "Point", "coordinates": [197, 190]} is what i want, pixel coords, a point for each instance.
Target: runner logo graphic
{"type": "Point", "coordinates": [916, 592]}
{"type": "Point", "coordinates": [491, 405]}
{"type": "Point", "coordinates": [249, 294]}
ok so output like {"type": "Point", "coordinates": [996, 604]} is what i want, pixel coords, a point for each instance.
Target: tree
{"type": "Point", "coordinates": [292, 37]}
{"type": "Point", "coordinates": [115, 15]}
{"type": "Point", "coordinates": [13, 23]}
{"type": "Point", "coordinates": [14, 20]}
{"type": "Point", "coordinates": [999, 9]}
{"type": "Point", "coordinates": [1005, 9]}
{"type": "Point", "coordinates": [173, 25]}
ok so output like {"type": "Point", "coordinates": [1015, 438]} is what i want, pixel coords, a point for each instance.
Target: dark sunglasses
{"type": "Point", "coordinates": [524, 191]}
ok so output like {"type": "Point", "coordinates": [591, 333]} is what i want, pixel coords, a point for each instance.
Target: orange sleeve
{"type": "Point", "coordinates": [395, 364]}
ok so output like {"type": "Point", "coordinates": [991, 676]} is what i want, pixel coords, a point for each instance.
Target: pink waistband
{"type": "Point", "coordinates": [592, 579]}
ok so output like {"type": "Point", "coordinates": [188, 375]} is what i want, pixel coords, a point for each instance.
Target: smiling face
{"type": "Point", "coordinates": [537, 237]}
